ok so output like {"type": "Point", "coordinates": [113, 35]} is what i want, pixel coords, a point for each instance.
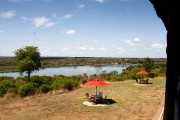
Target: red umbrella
{"type": "Point", "coordinates": [142, 72]}
{"type": "Point", "coordinates": [96, 82]}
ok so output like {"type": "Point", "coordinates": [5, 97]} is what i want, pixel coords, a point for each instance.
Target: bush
{"type": "Point", "coordinates": [79, 77]}
{"type": "Point", "coordinates": [5, 78]}
{"type": "Point", "coordinates": [24, 78]}
{"type": "Point", "coordinates": [114, 72]}
{"type": "Point", "coordinates": [151, 75]}
{"type": "Point", "coordinates": [65, 83]}
{"type": "Point", "coordinates": [46, 79]}
{"type": "Point", "coordinates": [108, 78]}
{"type": "Point", "coordinates": [27, 89]}
{"type": "Point", "coordinates": [133, 76]}
{"type": "Point", "coordinates": [6, 86]}
{"type": "Point", "coordinates": [45, 88]}
{"type": "Point", "coordinates": [117, 78]}
{"type": "Point", "coordinates": [36, 79]}
{"type": "Point", "coordinates": [40, 80]}
{"type": "Point", "coordinates": [2, 92]}
{"type": "Point", "coordinates": [84, 80]}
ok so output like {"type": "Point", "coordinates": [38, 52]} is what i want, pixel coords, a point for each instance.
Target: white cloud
{"type": "Point", "coordinates": [100, 1]}
{"type": "Point", "coordinates": [24, 18]}
{"type": "Point", "coordinates": [127, 41]}
{"type": "Point", "coordinates": [134, 49]}
{"type": "Point", "coordinates": [96, 41]}
{"type": "Point", "coordinates": [1, 31]}
{"type": "Point", "coordinates": [92, 48]}
{"type": "Point", "coordinates": [70, 32]}
{"type": "Point", "coordinates": [146, 48]}
{"type": "Point", "coordinates": [46, 51]}
{"type": "Point", "coordinates": [158, 50]}
{"type": "Point", "coordinates": [66, 51]}
{"type": "Point", "coordinates": [114, 45]}
{"type": "Point", "coordinates": [83, 47]}
{"type": "Point", "coordinates": [49, 24]}
{"type": "Point", "coordinates": [135, 42]}
{"type": "Point", "coordinates": [156, 45]}
{"type": "Point", "coordinates": [8, 14]}
{"type": "Point", "coordinates": [67, 16]}
{"type": "Point", "coordinates": [40, 21]}
{"type": "Point", "coordinates": [81, 6]}
{"type": "Point", "coordinates": [121, 50]}
{"type": "Point", "coordinates": [102, 49]}
{"type": "Point", "coordinates": [132, 44]}
{"type": "Point", "coordinates": [136, 39]}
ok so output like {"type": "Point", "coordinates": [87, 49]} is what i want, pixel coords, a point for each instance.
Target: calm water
{"type": "Point", "coordinates": [73, 70]}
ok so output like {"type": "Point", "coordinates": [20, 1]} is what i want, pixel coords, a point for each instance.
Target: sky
{"type": "Point", "coordinates": [82, 28]}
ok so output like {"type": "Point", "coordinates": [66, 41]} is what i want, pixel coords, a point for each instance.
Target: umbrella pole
{"type": "Point", "coordinates": [96, 91]}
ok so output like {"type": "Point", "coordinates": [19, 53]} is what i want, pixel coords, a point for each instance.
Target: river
{"type": "Point", "coordinates": [72, 70]}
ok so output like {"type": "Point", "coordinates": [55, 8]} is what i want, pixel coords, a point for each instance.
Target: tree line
{"type": "Point", "coordinates": [28, 60]}
{"type": "Point", "coordinates": [9, 64]}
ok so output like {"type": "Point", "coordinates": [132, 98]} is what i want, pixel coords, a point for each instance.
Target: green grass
{"type": "Point", "coordinates": [131, 102]}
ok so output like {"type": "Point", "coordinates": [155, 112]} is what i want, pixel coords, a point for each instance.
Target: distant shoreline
{"type": "Point", "coordinates": [8, 64]}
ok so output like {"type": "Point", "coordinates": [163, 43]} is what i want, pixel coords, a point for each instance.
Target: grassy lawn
{"type": "Point", "coordinates": [131, 102]}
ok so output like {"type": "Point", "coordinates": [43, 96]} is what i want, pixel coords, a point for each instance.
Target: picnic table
{"type": "Point", "coordinates": [96, 97]}
{"type": "Point", "coordinates": [142, 81]}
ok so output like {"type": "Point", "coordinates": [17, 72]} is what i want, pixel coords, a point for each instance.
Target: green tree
{"type": "Point", "coordinates": [148, 64]}
{"type": "Point", "coordinates": [28, 59]}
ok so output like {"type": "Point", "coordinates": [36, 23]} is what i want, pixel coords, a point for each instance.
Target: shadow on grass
{"type": "Point", "coordinates": [110, 101]}
{"type": "Point", "coordinates": [145, 83]}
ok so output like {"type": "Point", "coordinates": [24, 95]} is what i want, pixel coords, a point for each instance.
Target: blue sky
{"type": "Point", "coordinates": [82, 28]}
